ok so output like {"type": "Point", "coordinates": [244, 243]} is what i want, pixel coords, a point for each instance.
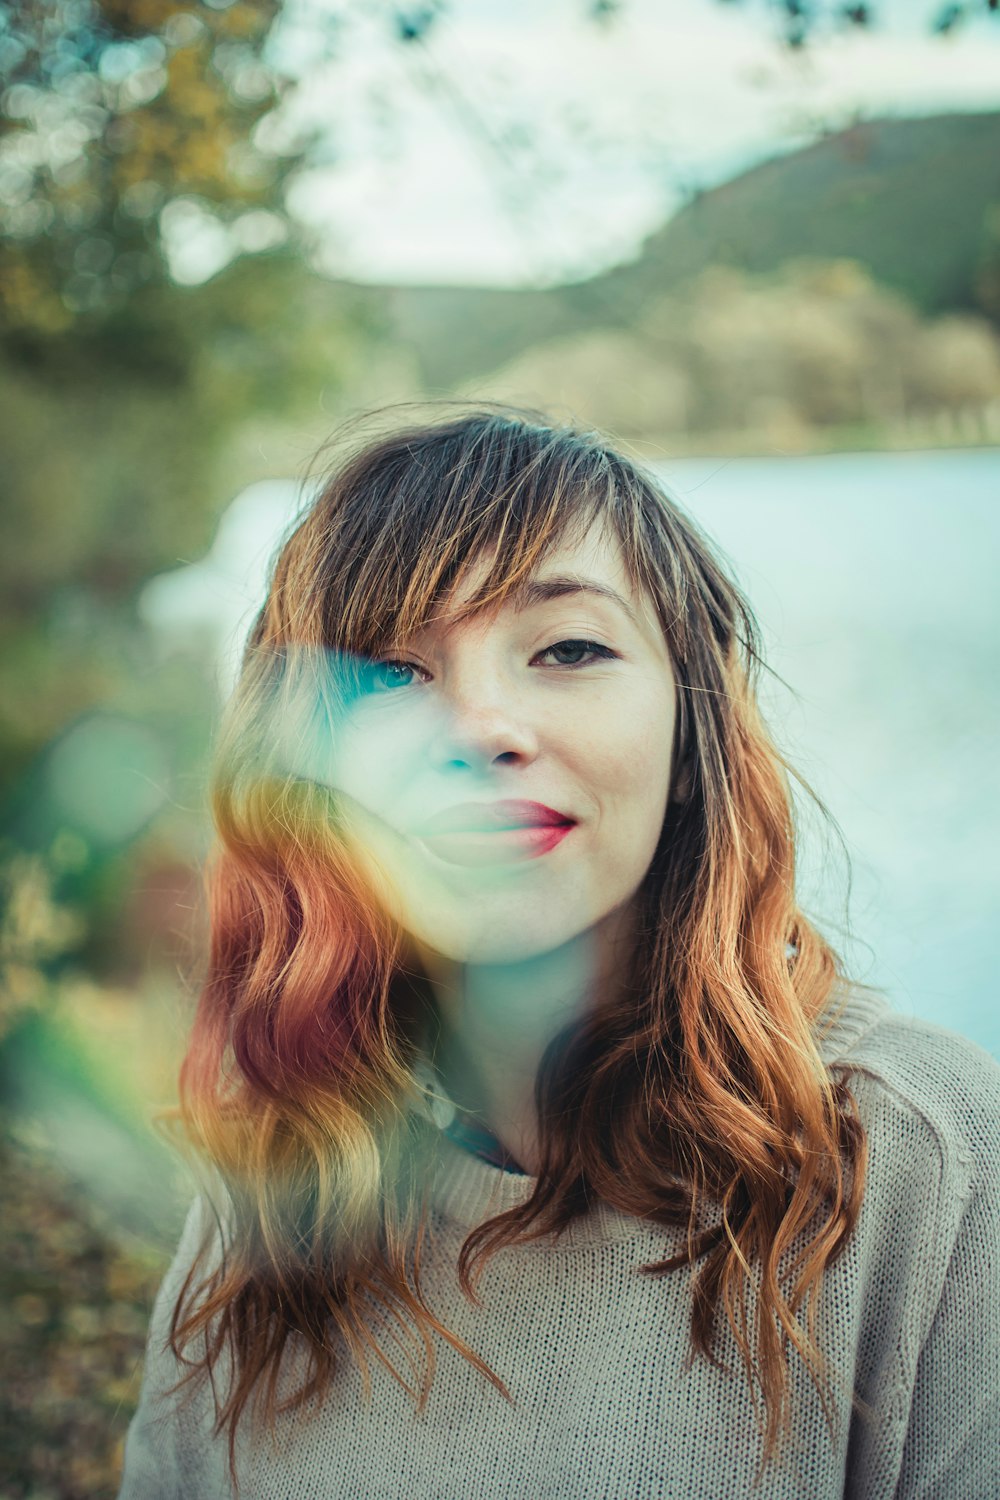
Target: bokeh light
{"type": "Point", "coordinates": [107, 777]}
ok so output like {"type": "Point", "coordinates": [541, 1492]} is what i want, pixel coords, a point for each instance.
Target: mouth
{"type": "Point", "coordinates": [503, 831]}
{"type": "Point", "coordinates": [497, 846]}
{"type": "Point", "coordinates": [505, 815]}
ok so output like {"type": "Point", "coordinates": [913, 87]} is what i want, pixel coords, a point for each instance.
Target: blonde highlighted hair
{"type": "Point", "coordinates": [698, 1098]}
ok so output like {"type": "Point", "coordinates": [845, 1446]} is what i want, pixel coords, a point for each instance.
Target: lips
{"type": "Point", "coordinates": [506, 832]}
{"type": "Point", "coordinates": [494, 817]}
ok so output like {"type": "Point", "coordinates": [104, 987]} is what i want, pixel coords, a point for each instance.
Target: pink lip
{"type": "Point", "coordinates": [502, 846]}
{"type": "Point", "coordinates": [494, 818]}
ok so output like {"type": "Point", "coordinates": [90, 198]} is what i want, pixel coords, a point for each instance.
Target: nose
{"type": "Point", "coordinates": [478, 725]}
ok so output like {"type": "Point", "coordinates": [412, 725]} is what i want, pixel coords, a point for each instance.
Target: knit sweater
{"type": "Point", "coordinates": [607, 1401]}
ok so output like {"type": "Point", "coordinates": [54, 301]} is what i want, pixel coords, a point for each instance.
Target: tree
{"type": "Point", "coordinates": [111, 111]}
{"type": "Point", "coordinates": [799, 20]}
{"type": "Point", "coordinates": [118, 388]}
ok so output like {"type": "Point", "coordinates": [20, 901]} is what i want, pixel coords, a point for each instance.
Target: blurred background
{"type": "Point", "coordinates": [757, 242]}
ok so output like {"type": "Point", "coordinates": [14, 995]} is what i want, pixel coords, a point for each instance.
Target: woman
{"type": "Point", "coordinates": [509, 999]}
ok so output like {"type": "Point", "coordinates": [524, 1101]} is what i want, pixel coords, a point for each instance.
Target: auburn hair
{"type": "Point", "coordinates": [698, 1098]}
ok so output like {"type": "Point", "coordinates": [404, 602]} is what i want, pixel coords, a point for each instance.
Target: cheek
{"type": "Point", "coordinates": [629, 761]}
{"type": "Point", "coordinates": [373, 765]}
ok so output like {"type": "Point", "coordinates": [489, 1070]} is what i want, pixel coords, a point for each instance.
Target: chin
{"type": "Point", "coordinates": [500, 942]}
{"type": "Point", "coordinates": [495, 950]}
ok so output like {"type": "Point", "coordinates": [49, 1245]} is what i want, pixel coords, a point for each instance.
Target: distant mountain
{"type": "Point", "coordinates": [915, 201]}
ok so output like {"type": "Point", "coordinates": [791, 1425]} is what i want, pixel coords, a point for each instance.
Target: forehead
{"type": "Point", "coordinates": [587, 568]}
{"type": "Point", "coordinates": [591, 552]}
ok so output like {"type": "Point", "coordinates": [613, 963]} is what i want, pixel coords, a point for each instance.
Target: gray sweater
{"type": "Point", "coordinates": [595, 1356]}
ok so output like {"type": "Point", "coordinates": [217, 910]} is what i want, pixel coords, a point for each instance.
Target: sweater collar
{"type": "Point", "coordinates": [852, 1011]}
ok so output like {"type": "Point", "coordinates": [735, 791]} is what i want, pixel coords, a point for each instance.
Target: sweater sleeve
{"type": "Point", "coordinates": [952, 1446]}
{"type": "Point", "coordinates": [162, 1445]}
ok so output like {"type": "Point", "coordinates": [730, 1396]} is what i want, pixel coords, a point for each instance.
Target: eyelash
{"type": "Point", "coordinates": [602, 653]}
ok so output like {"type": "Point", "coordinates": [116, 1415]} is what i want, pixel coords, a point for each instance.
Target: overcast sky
{"type": "Point", "coordinates": [521, 143]}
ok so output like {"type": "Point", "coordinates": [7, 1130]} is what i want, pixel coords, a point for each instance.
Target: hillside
{"type": "Point", "coordinates": [917, 202]}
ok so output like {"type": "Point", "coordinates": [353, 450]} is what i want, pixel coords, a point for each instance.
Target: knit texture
{"type": "Point", "coordinates": [608, 1402]}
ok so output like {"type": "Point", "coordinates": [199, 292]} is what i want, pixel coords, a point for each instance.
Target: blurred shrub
{"type": "Point", "coordinates": [815, 346]}
{"type": "Point", "coordinates": [76, 1295]}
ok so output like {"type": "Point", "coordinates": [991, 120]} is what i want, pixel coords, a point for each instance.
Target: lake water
{"type": "Point", "coordinates": [874, 578]}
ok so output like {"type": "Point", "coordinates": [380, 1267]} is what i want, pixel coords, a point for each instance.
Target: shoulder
{"type": "Point", "coordinates": [926, 1248]}
{"type": "Point", "coordinates": [198, 1251]}
{"type": "Point", "coordinates": [164, 1445]}
{"type": "Point", "coordinates": [929, 1101]}
{"type": "Point", "coordinates": [935, 1088]}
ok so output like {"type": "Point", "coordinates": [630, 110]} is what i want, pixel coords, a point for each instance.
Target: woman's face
{"type": "Point", "coordinates": [565, 700]}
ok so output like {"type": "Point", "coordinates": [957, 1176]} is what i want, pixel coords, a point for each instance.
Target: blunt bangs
{"type": "Point", "coordinates": [407, 524]}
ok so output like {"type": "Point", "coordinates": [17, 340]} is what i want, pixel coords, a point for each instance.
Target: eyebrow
{"type": "Point", "coordinates": [542, 590]}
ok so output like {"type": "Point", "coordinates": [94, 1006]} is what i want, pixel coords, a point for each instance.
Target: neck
{"type": "Point", "coordinates": [498, 1019]}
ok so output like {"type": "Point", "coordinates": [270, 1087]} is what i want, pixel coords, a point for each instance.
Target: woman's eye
{"type": "Point", "coordinates": [383, 676]}
{"type": "Point", "coordinates": [576, 649]}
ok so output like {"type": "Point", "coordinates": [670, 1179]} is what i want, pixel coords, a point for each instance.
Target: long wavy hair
{"type": "Point", "coordinates": [698, 1098]}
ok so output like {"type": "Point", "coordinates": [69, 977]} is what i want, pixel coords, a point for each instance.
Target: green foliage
{"type": "Point", "coordinates": [779, 359]}
{"type": "Point", "coordinates": [109, 110]}
{"type": "Point", "coordinates": [114, 471]}
{"type": "Point", "coordinates": [907, 199]}
{"type": "Point", "coordinates": [120, 395]}
{"type": "Point", "coordinates": [915, 202]}
{"type": "Point", "coordinates": [110, 445]}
